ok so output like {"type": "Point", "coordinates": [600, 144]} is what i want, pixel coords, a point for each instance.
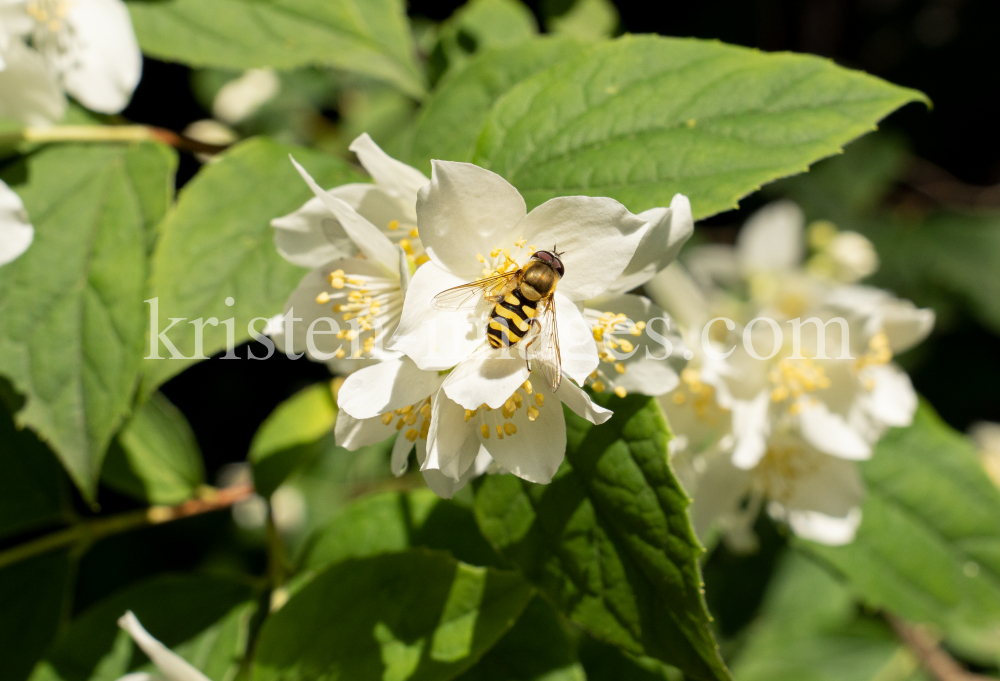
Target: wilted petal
{"type": "Point", "coordinates": [171, 665]}
{"type": "Point", "coordinates": [596, 236]}
{"type": "Point", "coordinates": [464, 211]}
{"type": "Point", "coordinates": [103, 64]}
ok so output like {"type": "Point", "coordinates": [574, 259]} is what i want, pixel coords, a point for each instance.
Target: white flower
{"type": "Point", "coordinates": [397, 397]}
{"type": "Point", "coordinates": [171, 666]}
{"type": "Point", "coordinates": [819, 496]}
{"type": "Point", "coordinates": [668, 230]}
{"type": "Point", "coordinates": [16, 232]}
{"type": "Point", "coordinates": [238, 99]}
{"type": "Point", "coordinates": [29, 92]}
{"type": "Point", "coordinates": [313, 235]}
{"type": "Point", "coordinates": [88, 46]}
{"type": "Point", "coordinates": [637, 354]}
{"type": "Point", "coordinates": [349, 305]}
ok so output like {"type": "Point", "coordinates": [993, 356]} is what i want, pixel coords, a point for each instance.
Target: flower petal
{"type": "Point", "coordinates": [581, 404]}
{"type": "Point", "coordinates": [436, 339]}
{"type": "Point", "coordinates": [388, 385]}
{"type": "Point", "coordinates": [482, 379]}
{"type": "Point", "coordinates": [668, 229]}
{"type": "Point", "coordinates": [597, 235]}
{"type": "Point", "coordinates": [102, 64]}
{"type": "Point", "coordinates": [312, 235]}
{"type": "Point", "coordinates": [537, 448]}
{"type": "Point", "coordinates": [750, 429]}
{"type": "Point", "coordinates": [16, 232]}
{"type": "Point", "coordinates": [370, 240]}
{"type": "Point", "coordinates": [825, 529]}
{"type": "Point", "coordinates": [464, 211]}
{"type": "Point", "coordinates": [31, 93]}
{"type": "Point", "coordinates": [398, 460]}
{"type": "Point", "coordinates": [772, 239]}
{"type": "Point", "coordinates": [577, 349]}
{"type": "Point", "coordinates": [353, 434]}
{"type": "Point", "coordinates": [452, 446]}
{"type": "Point", "coordinates": [399, 180]}
{"type": "Point", "coordinates": [171, 665]}
{"type": "Point", "coordinates": [445, 487]}
{"type": "Point", "coordinates": [892, 401]}
{"type": "Point", "coordinates": [676, 292]}
{"type": "Point", "coordinates": [905, 324]}
{"type": "Point", "coordinates": [830, 433]}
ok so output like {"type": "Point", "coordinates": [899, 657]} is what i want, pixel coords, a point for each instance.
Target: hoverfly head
{"type": "Point", "coordinates": [551, 258]}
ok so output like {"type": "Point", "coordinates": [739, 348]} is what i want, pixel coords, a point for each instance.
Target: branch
{"type": "Point", "coordinates": [83, 534]}
{"type": "Point", "coordinates": [941, 186]}
{"type": "Point", "coordinates": [110, 133]}
{"type": "Point", "coordinates": [935, 659]}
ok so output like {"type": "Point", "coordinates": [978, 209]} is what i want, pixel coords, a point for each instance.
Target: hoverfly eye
{"type": "Point", "coordinates": [558, 266]}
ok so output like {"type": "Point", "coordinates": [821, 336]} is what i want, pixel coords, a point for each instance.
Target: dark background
{"type": "Point", "coordinates": [945, 48]}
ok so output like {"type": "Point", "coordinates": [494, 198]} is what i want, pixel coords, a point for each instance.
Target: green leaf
{"type": "Point", "coordinates": [217, 243]}
{"type": "Point", "coordinates": [603, 662]}
{"type": "Point", "coordinates": [156, 458]}
{"type": "Point", "coordinates": [928, 548]}
{"type": "Point", "coordinates": [395, 521]}
{"type": "Point", "coordinates": [370, 37]}
{"type": "Point", "coordinates": [810, 629]}
{"type": "Point", "coordinates": [538, 648]}
{"type": "Point", "coordinates": [204, 619]}
{"type": "Point", "coordinates": [416, 615]}
{"type": "Point", "coordinates": [642, 117]}
{"type": "Point", "coordinates": [609, 539]}
{"type": "Point", "coordinates": [72, 317]}
{"type": "Point", "coordinates": [291, 435]}
{"type": "Point", "coordinates": [33, 490]}
{"type": "Point", "coordinates": [32, 593]}
{"type": "Point", "coordinates": [489, 23]}
{"type": "Point", "coordinates": [453, 117]}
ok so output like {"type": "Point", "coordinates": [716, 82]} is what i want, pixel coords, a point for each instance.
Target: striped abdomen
{"type": "Point", "coordinates": [511, 319]}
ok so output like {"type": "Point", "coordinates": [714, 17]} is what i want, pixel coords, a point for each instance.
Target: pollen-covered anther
{"type": "Point", "coordinates": [393, 225]}
{"type": "Point", "coordinates": [407, 417]}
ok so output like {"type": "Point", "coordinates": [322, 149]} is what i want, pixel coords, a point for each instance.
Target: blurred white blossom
{"type": "Point", "coordinates": [170, 665]}
{"type": "Point", "coordinates": [16, 232]}
{"type": "Point", "coordinates": [772, 412]}
{"type": "Point", "coordinates": [986, 435]}
{"type": "Point", "coordinates": [240, 98]}
{"type": "Point", "coordinates": [86, 48]}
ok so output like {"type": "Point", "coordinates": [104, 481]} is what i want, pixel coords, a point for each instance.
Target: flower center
{"type": "Point", "coordinates": [529, 400]}
{"type": "Point", "coordinates": [501, 261]}
{"type": "Point", "coordinates": [607, 328]}
{"type": "Point", "coordinates": [699, 396]}
{"type": "Point", "coordinates": [407, 417]}
{"type": "Point", "coordinates": [362, 301]}
{"type": "Point", "coordinates": [408, 238]}
{"type": "Point", "coordinates": [49, 15]}
{"type": "Point", "coordinates": [792, 378]}
{"type": "Point", "coordinates": [878, 352]}
{"type": "Point", "coordinates": [781, 468]}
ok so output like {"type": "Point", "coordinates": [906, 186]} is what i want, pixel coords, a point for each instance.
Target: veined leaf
{"type": "Point", "coordinates": [156, 458]}
{"type": "Point", "coordinates": [643, 117]}
{"type": "Point", "coordinates": [416, 615]}
{"type": "Point", "coordinates": [928, 548]}
{"type": "Point", "coordinates": [371, 37]}
{"type": "Point", "coordinates": [72, 316]}
{"type": "Point", "coordinates": [452, 119]}
{"type": "Point", "coordinates": [609, 541]}
{"type": "Point", "coordinates": [217, 244]}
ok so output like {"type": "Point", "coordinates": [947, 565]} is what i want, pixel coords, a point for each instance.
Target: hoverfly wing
{"type": "Point", "coordinates": [471, 296]}
{"type": "Point", "coordinates": [543, 349]}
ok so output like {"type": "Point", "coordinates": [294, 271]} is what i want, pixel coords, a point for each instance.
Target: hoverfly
{"type": "Point", "coordinates": [523, 306]}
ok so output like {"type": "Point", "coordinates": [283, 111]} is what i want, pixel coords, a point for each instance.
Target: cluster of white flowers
{"type": "Point", "coordinates": [86, 48]}
{"type": "Point", "coordinates": [428, 373]}
{"type": "Point", "coordinates": [765, 418]}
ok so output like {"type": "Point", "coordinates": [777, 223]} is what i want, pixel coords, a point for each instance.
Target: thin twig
{"type": "Point", "coordinates": [944, 188]}
{"type": "Point", "coordinates": [111, 133]}
{"type": "Point", "coordinates": [935, 659]}
{"type": "Point", "coordinates": [85, 533]}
